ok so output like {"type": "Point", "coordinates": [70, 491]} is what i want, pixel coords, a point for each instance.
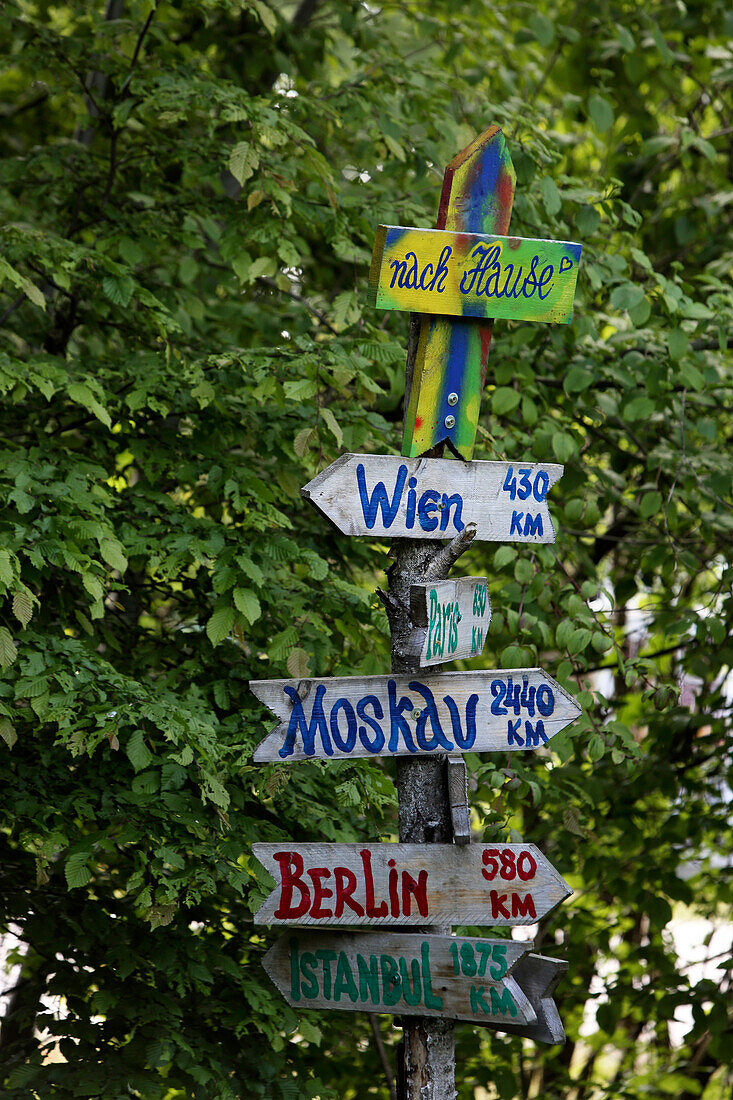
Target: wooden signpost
{"type": "Point", "coordinates": [458, 277]}
{"type": "Point", "coordinates": [443, 389]}
{"type": "Point", "coordinates": [490, 710]}
{"type": "Point", "coordinates": [428, 498]}
{"type": "Point", "coordinates": [465, 979]}
{"type": "Point", "coordinates": [451, 620]}
{"type": "Point", "coordinates": [401, 884]}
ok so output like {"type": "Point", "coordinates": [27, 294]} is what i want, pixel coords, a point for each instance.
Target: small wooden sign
{"type": "Point", "coordinates": [392, 884]}
{"type": "Point", "coordinates": [386, 496]}
{"type": "Point", "coordinates": [537, 976]}
{"type": "Point", "coordinates": [489, 710]}
{"type": "Point", "coordinates": [451, 620]}
{"type": "Point", "coordinates": [457, 978]}
{"type": "Point", "coordinates": [473, 274]}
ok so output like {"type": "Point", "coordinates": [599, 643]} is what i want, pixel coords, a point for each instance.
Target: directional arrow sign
{"type": "Point", "coordinates": [393, 884]}
{"type": "Point", "coordinates": [473, 274]}
{"type": "Point", "coordinates": [451, 619]}
{"type": "Point", "coordinates": [431, 498]}
{"type": "Point", "coordinates": [460, 979]}
{"type": "Point", "coordinates": [484, 711]}
{"type": "Point", "coordinates": [443, 396]}
{"type": "Point", "coordinates": [537, 976]}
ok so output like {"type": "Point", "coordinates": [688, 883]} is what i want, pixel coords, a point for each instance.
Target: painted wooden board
{"type": "Point", "coordinates": [473, 274]}
{"type": "Point", "coordinates": [386, 496]}
{"type": "Point", "coordinates": [392, 884]}
{"type": "Point", "coordinates": [488, 710]}
{"type": "Point", "coordinates": [451, 620]}
{"type": "Point", "coordinates": [457, 978]}
{"type": "Point", "coordinates": [537, 977]}
{"type": "Point", "coordinates": [449, 373]}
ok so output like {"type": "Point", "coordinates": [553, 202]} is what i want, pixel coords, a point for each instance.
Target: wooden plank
{"type": "Point", "coordinates": [386, 496]}
{"type": "Point", "coordinates": [537, 976]}
{"type": "Point", "coordinates": [451, 359]}
{"type": "Point", "coordinates": [457, 978]}
{"type": "Point", "coordinates": [458, 797]}
{"type": "Point", "coordinates": [451, 620]}
{"type": "Point", "coordinates": [489, 710]}
{"type": "Point", "coordinates": [392, 884]}
{"type": "Point", "coordinates": [473, 274]}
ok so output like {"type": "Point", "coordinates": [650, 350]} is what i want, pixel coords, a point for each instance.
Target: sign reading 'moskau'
{"type": "Point", "coordinates": [392, 884]}
{"type": "Point", "coordinates": [457, 978]}
{"type": "Point", "coordinates": [488, 710]}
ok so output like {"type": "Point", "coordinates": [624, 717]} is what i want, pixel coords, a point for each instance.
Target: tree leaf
{"type": "Point", "coordinates": [7, 732]}
{"type": "Point", "coordinates": [243, 160]}
{"type": "Point", "coordinates": [76, 871]}
{"type": "Point", "coordinates": [220, 624]}
{"type": "Point", "coordinates": [23, 606]}
{"type": "Point", "coordinates": [8, 650]}
{"type": "Point", "coordinates": [112, 552]}
{"type": "Point", "coordinates": [601, 111]}
{"type": "Point", "coordinates": [137, 751]}
{"type": "Point", "coordinates": [246, 602]}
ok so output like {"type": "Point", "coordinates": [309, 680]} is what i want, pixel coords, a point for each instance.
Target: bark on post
{"type": "Point", "coordinates": [428, 1049]}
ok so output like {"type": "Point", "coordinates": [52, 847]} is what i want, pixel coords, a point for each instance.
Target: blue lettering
{"type": "Point", "coordinates": [307, 731]}
{"type": "Point", "coordinates": [370, 505]}
{"type": "Point", "coordinates": [428, 504]}
{"type": "Point", "coordinates": [545, 278]}
{"type": "Point", "coordinates": [533, 734]}
{"type": "Point", "coordinates": [441, 271]}
{"type": "Point", "coordinates": [513, 736]}
{"type": "Point", "coordinates": [378, 743]}
{"type": "Point", "coordinates": [516, 524]}
{"type": "Point", "coordinates": [533, 525]}
{"type": "Point", "coordinates": [530, 284]}
{"type": "Point", "coordinates": [462, 742]}
{"type": "Point", "coordinates": [457, 501]}
{"type": "Point", "coordinates": [429, 711]}
{"type": "Point", "coordinates": [346, 707]}
{"type": "Point", "coordinates": [397, 724]}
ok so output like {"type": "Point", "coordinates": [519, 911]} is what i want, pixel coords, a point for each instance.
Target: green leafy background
{"type": "Point", "coordinates": [189, 193]}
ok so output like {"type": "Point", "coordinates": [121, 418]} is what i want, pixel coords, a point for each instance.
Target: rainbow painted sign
{"type": "Point", "coordinates": [473, 274]}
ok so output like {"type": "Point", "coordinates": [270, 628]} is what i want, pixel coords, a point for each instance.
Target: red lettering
{"type": "Point", "coordinates": [345, 885]}
{"type": "Point", "coordinates": [420, 891]}
{"type": "Point", "coordinates": [371, 909]}
{"type": "Point", "coordinates": [291, 870]}
{"type": "Point", "coordinates": [498, 908]}
{"type": "Point", "coordinates": [523, 907]}
{"type": "Point", "coordinates": [319, 891]}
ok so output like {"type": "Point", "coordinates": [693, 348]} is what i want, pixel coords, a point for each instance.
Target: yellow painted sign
{"type": "Point", "coordinates": [473, 274]}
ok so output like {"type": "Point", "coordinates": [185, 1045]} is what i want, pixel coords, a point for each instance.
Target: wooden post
{"type": "Point", "coordinates": [428, 1052]}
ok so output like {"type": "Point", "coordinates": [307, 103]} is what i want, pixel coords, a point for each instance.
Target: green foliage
{"type": "Point", "coordinates": [189, 194]}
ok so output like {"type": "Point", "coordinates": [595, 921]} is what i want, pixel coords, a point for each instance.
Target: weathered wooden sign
{"type": "Point", "coordinates": [483, 711]}
{"type": "Point", "coordinates": [443, 395]}
{"type": "Point", "coordinates": [393, 884]}
{"type": "Point", "coordinates": [386, 496]}
{"type": "Point", "coordinates": [451, 619]}
{"type": "Point", "coordinates": [457, 978]}
{"type": "Point", "coordinates": [537, 976]}
{"type": "Point", "coordinates": [473, 274]}
{"type": "Point", "coordinates": [457, 777]}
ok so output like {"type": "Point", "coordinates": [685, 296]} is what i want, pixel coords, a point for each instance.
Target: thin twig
{"type": "Point", "coordinates": [379, 1044]}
